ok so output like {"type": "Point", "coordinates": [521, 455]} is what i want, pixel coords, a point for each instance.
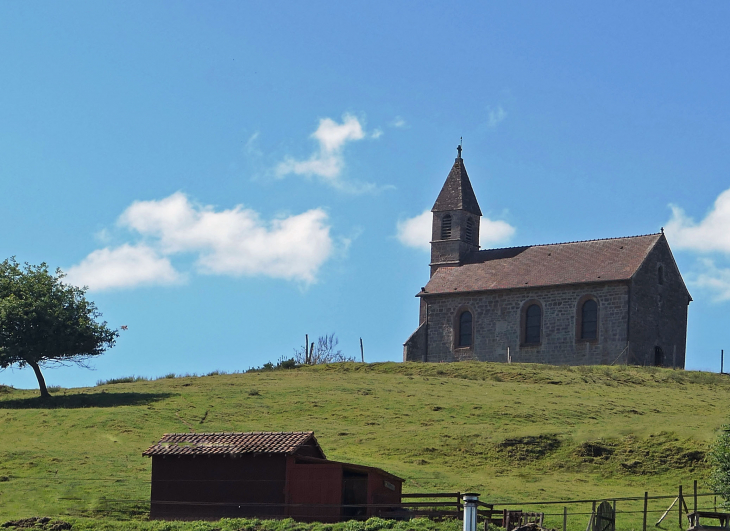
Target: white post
{"type": "Point", "coordinates": [470, 511]}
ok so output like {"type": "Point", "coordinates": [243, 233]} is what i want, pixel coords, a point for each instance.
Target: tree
{"type": "Point", "coordinates": [720, 462]}
{"type": "Point", "coordinates": [324, 351]}
{"type": "Point", "coordinates": [45, 322]}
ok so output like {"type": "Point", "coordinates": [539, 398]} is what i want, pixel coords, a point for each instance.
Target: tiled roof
{"type": "Point", "coordinates": [457, 193]}
{"type": "Point", "coordinates": [232, 443]}
{"type": "Point", "coordinates": [545, 265]}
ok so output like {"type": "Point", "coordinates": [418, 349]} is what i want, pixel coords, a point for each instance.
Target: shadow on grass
{"type": "Point", "coordinates": [81, 400]}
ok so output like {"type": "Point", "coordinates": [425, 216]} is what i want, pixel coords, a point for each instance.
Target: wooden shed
{"type": "Point", "coordinates": [262, 475]}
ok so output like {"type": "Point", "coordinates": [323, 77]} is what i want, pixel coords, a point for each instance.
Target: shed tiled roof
{"type": "Point", "coordinates": [457, 193]}
{"type": "Point", "coordinates": [545, 265]}
{"type": "Point", "coordinates": [232, 443]}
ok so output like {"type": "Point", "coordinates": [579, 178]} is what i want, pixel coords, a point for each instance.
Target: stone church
{"type": "Point", "coordinates": [610, 301]}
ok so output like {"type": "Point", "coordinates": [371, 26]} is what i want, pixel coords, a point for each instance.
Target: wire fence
{"type": "Point", "coordinates": [125, 498]}
{"type": "Point", "coordinates": [665, 511]}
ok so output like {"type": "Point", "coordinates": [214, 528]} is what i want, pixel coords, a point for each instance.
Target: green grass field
{"type": "Point", "coordinates": [514, 433]}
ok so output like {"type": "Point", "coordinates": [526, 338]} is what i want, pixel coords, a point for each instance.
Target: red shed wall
{"type": "Point", "coordinates": [378, 492]}
{"type": "Point", "coordinates": [212, 487]}
{"type": "Point", "coordinates": [317, 485]}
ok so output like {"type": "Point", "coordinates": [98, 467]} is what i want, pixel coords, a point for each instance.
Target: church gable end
{"type": "Point", "coordinates": [659, 304]}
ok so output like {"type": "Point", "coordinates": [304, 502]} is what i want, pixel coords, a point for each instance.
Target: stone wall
{"type": "Point", "coordinates": [414, 349]}
{"type": "Point", "coordinates": [498, 322]}
{"type": "Point", "coordinates": [658, 310]}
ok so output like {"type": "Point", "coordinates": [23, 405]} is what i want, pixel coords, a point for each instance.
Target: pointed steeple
{"type": "Point", "coordinates": [457, 193]}
{"type": "Point", "coordinates": [456, 217]}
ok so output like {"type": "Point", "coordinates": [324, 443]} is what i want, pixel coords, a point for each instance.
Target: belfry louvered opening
{"type": "Point", "coordinates": [469, 231]}
{"type": "Point", "coordinates": [446, 227]}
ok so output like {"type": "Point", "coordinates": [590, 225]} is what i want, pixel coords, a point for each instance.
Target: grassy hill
{"type": "Point", "coordinates": [511, 432]}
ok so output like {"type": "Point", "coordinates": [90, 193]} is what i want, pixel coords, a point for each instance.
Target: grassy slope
{"type": "Point", "coordinates": [511, 432]}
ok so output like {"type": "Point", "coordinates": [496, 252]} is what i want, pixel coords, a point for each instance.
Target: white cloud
{"type": "Point", "coordinates": [251, 147]}
{"type": "Point", "coordinates": [710, 234]}
{"type": "Point", "coordinates": [234, 242]}
{"type": "Point", "coordinates": [376, 134]}
{"type": "Point", "coordinates": [123, 267]}
{"type": "Point", "coordinates": [714, 279]}
{"type": "Point", "coordinates": [494, 232]}
{"type": "Point", "coordinates": [332, 136]}
{"type": "Point", "coordinates": [327, 162]}
{"type": "Point", "coordinates": [416, 231]}
{"type": "Point", "coordinates": [495, 116]}
{"type": "Point", "coordinates": [398, 122]}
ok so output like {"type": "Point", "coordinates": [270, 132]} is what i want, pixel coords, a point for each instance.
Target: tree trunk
{"type": "Point", "coordinates": [41, 380]}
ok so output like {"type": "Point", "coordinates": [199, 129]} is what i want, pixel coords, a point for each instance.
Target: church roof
{"type": "Point", "coordinates": [457, 193]}
{"type": "Point", "coordinates": [545, 265]}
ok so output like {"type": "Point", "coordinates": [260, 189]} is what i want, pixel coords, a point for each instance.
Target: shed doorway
{"type": "Point", "coordinates": [658, 357]}
{"type": "Point", "coordinates": [354, 492]}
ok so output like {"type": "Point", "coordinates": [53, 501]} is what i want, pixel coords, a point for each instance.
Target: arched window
{"type": "Point", "coordinates": [660, 274]}
{"type": "Point", "coordinates": [469, 231]}
{"type": "Point", "coordinates": [446, 227]}
{"type": "Point", "coordinates": [533, 321]}
{"type": "Point", "coordinates": [465, 329]}
{"type": "Point", "coordinates": [589, 320]}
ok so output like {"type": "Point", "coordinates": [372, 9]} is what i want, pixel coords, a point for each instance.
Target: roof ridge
{"type": "Point", "coordinates": [574, 241]}
{"type": "Point", "coordinates": [242, 433]}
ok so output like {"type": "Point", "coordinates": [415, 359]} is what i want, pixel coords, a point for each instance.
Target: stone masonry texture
{"type": "Point", "coordinates": [658, 311]}
{"type": "Point", "coordinates": [498, 321]}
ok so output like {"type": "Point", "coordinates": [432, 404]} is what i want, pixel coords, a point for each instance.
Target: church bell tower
{"type": "Point", "coordinates": [456, 216]}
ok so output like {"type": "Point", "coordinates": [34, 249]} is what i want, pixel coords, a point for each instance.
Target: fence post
{"type": "Point", "coordinates": [695, 496]}
{"type": "Point", "coordinates": [681, 501]}
{"type": "Point", "coordinates": [565, 518]}
{"type": "Point", "coordinates": [470, 511]}
{"type": "Point", "coordinates": [646, 506]}
{"type": "Point", "coordinates": [593, 517]}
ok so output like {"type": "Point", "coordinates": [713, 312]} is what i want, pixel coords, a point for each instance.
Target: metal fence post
{"type": "Point", "coordinates": [470, 511]}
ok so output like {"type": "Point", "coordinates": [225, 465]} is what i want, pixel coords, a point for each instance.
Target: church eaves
{"type": "Point", "coordinates": [457, 193]}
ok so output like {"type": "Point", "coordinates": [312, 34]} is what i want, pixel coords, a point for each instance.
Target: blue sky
{"type": "Point", "coordinates": [227, 177]}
